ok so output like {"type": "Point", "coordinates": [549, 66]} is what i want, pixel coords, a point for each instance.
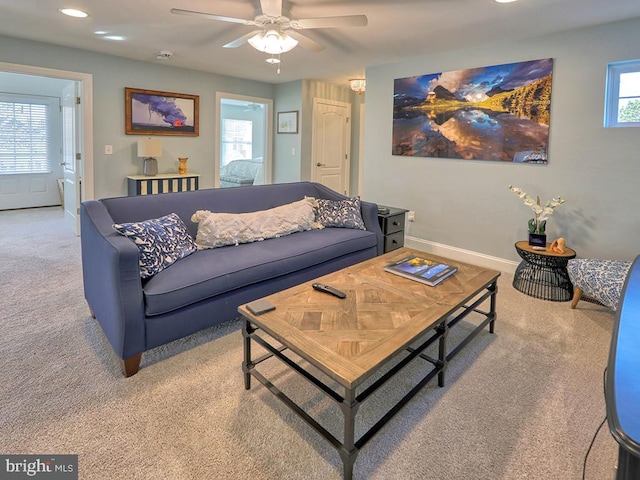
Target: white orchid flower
{"type": "Point", "coordinates": [541, 213]}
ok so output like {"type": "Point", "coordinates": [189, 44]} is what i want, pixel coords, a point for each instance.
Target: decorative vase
{"type": "Point", "coordinates": [182, 168]}
{"type": "Point", "coordinates": [537, 239]}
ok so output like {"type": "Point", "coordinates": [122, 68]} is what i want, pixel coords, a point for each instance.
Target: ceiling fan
{"type": "Point", "coordinates": [276, 32]}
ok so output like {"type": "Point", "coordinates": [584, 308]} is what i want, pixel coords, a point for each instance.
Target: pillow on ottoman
{"type": "Point", "coordinates": [220, 229]}
{"type": "Point", "coordinates": [340, 213]}
{"type": "Point", "coordinates": [161, 241]}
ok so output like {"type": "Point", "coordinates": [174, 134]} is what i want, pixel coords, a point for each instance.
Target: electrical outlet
{"type": "Point", "coordinates": [411, 216]}
{"type": "Point", "coordinates": [108, 149]}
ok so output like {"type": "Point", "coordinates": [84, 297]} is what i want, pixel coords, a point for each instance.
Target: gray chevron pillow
{"type": "Point", "coordinates": [340, 213]}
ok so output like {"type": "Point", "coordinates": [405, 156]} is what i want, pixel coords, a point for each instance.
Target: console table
{"type": "Point", "coordinates": [543, 273]}
{"type": "Point", "coordinates": [622, 390]}
{"type": "Point", "coordinates": [162, 183]}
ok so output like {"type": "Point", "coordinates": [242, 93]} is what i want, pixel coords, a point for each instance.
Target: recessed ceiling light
{"type": "Point", "coordinates": [100, 32]}
{"type": "Point", "coordinates": [72, 12]}
{"type": "Point", "coordinates": [114, 37]}
{"type": "Point", "coordinates": [505, 1]}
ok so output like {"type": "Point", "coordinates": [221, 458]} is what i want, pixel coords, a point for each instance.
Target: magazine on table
{"type": "Point", "coordinates": [421, 269]}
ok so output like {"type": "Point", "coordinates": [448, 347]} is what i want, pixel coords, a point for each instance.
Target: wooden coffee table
{"type": "Point", "coordinates": [385, 321]}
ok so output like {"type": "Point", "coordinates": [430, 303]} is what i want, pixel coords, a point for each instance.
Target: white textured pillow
{"type": "Point", "coordinates": [220, 229]}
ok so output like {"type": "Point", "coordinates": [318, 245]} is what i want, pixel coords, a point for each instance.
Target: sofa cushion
{"type": "Point", "coordinates": [220, 229]}
{"type": "Point", "coordinates": [340, 213]}
{"type": "Point", "coordinates": [211, 272]}
{"type": "Point", "coordinates": [161, 242]}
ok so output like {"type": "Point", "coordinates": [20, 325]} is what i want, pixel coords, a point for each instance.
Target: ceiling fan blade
{"type": "Point", "coordinates": [331, 22]}
{"type": "Point", "coordinates": [305, 42]}
{"type": "Point", "coordinates": [271, 8]}
{"type": "Point", "coordinates": [211, 16]}
{"type": "Point", "coordinates": [238, 42]}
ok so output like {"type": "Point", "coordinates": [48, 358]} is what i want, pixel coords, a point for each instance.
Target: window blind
{"type": "Point", "coordinates": [25, 131]}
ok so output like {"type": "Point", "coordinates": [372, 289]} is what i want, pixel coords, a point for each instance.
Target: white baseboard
{"type": "Point", "coordinates": [475, 258]}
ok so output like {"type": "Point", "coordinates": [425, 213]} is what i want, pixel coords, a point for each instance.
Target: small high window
{"type": "Point", "coordinates": [622, 107]}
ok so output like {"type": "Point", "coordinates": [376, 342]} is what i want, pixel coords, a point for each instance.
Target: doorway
{"type": "Point", "coordinates": [79, 128]}
{"type": "Point", "coordinates": [243, 140]}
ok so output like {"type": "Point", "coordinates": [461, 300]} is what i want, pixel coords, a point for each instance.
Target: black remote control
{"type": "Point", "coordinates": [330, 290]}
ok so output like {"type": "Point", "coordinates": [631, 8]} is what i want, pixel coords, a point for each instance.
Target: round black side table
{"type": "Point", "coordinates": [543, 273]}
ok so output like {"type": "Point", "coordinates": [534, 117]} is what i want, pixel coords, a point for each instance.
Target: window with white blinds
{"type": "Point", "coordinates": [25, 134]}
{"type": "Point", "coordinates": [237, 140]}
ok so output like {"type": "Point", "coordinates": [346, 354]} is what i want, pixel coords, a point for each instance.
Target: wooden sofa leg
{"type": "Point", "coordinates": [131, 365]}
{"type": "Point", "coordinates": [577, 293]}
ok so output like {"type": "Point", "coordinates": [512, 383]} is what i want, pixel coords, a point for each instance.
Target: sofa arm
{"type": "Point", "coordinates": [370, 216]}
{"type": "Point", "coordinates": [111, 278]}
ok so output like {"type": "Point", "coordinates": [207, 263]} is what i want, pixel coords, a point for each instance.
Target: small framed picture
{"type": "Point", "coordinates": [288, 122]}
{"type": "Point", "coordinates": [149, 112]}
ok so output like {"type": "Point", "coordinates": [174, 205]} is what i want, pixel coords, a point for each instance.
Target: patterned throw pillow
{"type": "Point", "coordinates": [161, 241]}
{"type": "Point", "coordinates": [340, 213]}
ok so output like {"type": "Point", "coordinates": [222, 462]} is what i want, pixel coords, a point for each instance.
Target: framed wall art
{"type": "Point", "coordinates": [288, 122]}
{"type": "Point", "coordinates": [496, 113]}
{"type": "Point", "coordinates": [149, 112]}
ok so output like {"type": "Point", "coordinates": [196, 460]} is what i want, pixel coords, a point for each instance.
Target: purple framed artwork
{"type": "Point", "coordinates": [149, 112]}
{"type": "Point", "coordinates": [496, 113]}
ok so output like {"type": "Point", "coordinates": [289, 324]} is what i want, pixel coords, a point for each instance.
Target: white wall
{"type": "Point", "coordinates": [287, 147]}
{"type": "Point", "coordinates": [466, 204]}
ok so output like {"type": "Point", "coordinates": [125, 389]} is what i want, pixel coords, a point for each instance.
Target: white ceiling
{"type": "Point", "coordinates": [397, 30]}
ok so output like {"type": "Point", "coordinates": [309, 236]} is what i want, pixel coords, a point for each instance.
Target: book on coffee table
{"type": "Point", "coordinates": [421, 269]}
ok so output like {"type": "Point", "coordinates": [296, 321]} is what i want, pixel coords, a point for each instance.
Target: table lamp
{"type": "Point", "coordinates": [150, 148]}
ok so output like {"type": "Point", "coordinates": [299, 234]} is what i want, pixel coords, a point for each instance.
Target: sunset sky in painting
{"type": "Point", "coordinates": [472, 84]}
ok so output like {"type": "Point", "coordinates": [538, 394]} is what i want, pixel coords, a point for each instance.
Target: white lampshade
{"type": "Point", "coordinates": [272, 42]}
{"type": "Point", "coordinates": [149, 147]}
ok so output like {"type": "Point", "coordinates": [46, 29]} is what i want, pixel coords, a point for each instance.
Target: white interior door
{"type": "Point", "coordinates": [31, 155]}
{"type": "Point", "coordinates": [331, 144]}
{"type": "Point", "coordinates": [71, 157]}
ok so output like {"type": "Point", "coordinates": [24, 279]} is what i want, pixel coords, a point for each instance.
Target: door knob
{"type": "Point", "coordinates": [320, 164]}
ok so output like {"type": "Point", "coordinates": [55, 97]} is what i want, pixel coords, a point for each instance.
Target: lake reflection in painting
{"type": "Point", "coordinates": [491, 113]}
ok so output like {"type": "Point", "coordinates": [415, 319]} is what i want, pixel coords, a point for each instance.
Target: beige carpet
{"type": "Point", "coordinates": [521, 404]}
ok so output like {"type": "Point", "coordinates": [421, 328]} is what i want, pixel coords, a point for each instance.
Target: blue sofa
{"type": "Point", "coordinates": [206, 287]}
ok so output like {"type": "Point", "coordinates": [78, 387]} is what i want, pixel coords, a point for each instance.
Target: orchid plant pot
{"type": "Point", "coordinates": [537, 225]}
{"type": "Point", "coordinates": [537, 239]}
{"type": "Point", "coordinates": [537, 235]}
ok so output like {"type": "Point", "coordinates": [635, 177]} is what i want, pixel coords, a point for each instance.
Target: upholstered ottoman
{"type": "Point", "coordinates": [600, 280]}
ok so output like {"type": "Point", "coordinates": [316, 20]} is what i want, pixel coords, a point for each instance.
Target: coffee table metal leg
{"type": "Point", "coordinates": [246, 364]}
{"type": "Point", "coordinates": [492, 311]}
{"type": "Point", "coordinates": [349, 452]}
{"type": "Point", "coordinates": [443, 331]}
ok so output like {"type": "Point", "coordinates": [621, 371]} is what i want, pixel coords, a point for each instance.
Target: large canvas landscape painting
{"type": "Point", "coordinates": [497, 113]}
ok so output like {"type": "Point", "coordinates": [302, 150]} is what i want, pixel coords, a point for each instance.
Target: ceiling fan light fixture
{"type": "Point", "coordinates": [272, 42]}
{"type": "Point", "coordinates": [358, 85]}
{"type": "Point", "coordinates": [273, 60]}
